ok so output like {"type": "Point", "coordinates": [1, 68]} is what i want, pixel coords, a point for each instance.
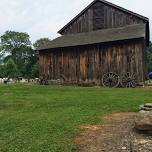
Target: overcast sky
{"type": "Point", "coordinates": [43, 18]}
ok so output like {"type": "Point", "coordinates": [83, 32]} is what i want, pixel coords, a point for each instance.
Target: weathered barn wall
{"type": "Point", "coordinates": [101, 16]}
{"type": "Point", "coordinates": [87, 64]}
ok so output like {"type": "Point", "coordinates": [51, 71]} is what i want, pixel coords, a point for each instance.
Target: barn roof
{"type": "Point", "coordinates": [107, 3]}
{"type": "Point", "coordinates": [99, 36]}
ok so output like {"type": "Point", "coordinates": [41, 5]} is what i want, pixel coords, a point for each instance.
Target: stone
{"type": "Point", "coordinates": [124, 148]}
{"type": "Point", "coordinates": [141, 145]}
{"type": "Point", "coordinates": [143, 121]}
{"type": "Point", "coordinates": [143, 111]}
{"type": "Point", "coordinates": [149, 105]}
{"type": "Point", "coordinates": [146, 107]}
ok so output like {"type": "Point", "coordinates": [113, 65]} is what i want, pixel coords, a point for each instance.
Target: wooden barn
{"type": "Point", "coordinates": [104, 45]}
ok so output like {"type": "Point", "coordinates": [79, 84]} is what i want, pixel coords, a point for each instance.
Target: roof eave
{"type": "Point", "coordinates": [105, 42]}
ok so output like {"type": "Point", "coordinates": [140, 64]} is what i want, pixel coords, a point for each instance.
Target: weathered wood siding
{"type": "Point", "coordinates": [87, 64]}
{"type": "Point", "coordinates": [101, 16]}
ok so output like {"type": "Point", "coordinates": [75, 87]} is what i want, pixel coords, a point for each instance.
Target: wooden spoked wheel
{"type": "Point", "coordinates": [128, 80]}
{"type": "Point", "coordinates": [110, 80]}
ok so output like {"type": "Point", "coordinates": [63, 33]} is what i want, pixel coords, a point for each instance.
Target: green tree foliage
{"type": "Point", "coordinates": [35, 70]}
{"type": "Point", "coordinates": [18, 48]}
{"type": "Point", "coordinates": [1, 59]}
{"type": "Point", "coordinates": [2, 71]}
{"type": "Point", "coordinates": [17, 58]}
{"type": "Point", "coordinates": [11, 69]}
{"type": "Point", "coordinates": [41, 42]}
{"type": "Point", "coordinates": [11, 41]}
{"type": "Point", "coordinates": [150, 58]}
{"type": "Point", "coordinates": [2, 66]}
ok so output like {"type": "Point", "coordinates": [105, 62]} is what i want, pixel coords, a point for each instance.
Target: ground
{"type": "Point", "coordinates": [48, 118]}
{"type": "Point", "coordinates": [112, 135]}
{"type": "Point", "coordinates": [116, 133]}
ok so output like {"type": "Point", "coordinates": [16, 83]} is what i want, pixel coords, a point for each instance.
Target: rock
{"type": "Point", "coordinates": [143, 111]}
{"type": "Point", "coordinates": [149, 105]}
{"type": "Point", "coordinates": [141, 145]}
{"type": "Point", "coordinates": [142, 141]}
{"type": "Point", "coordinates": [143, 121]}
{"type": "Point", "coordinates": [124, 148]}
{"type": "Point", "coordinates": [146, 107]}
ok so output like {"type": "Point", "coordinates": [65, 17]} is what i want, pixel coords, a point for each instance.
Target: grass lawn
{"type": "Point", "coordinates": [47, 118]}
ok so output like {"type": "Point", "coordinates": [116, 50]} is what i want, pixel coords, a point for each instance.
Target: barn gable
{"type": "Point", "coordinates": [101, 14]}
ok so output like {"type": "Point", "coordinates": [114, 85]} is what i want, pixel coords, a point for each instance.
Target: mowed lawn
{"type": "Point", "coordinates": [37, 118]}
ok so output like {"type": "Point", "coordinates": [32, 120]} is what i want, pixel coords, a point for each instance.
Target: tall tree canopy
{"type": "Point", "coordinates": [11, 69]}
{"type": "Point", "coordinates": [41, 42]}
{"type": "Point", "coordinates": [1, 59]}
{"type": "Point", "coordinates": [11, 41]}
{"type": "Point", "coordinates": [18, 47]}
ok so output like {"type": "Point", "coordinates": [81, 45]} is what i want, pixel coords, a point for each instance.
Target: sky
{"type": "Point", "coordinates": [43, 18]}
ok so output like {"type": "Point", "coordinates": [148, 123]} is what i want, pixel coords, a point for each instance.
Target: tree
{"type": "Point", "coordinates": [18, 47]}
{"type": "Point", "coordinates": [35, 70]}
{"type": "Point", "coordinates": [11, 69]}
{"type": "Point", "coordinates": [150, 58]}
{"type": "Point", "coordinates": [12, 40]}
{"type": "Point", "coordinates": [2, 71]}
{"type": "Point", "coordinates": [41, 42]}
{"type": "Point", "coordinates": [2, 67]}
{"type": "Point", "coordinates": [1, 59]}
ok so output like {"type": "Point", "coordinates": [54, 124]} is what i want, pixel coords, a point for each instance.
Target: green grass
{"type": "Point", "coordinates": [47, 118]}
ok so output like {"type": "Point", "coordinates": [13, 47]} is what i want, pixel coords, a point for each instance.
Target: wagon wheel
{"type": "Point", "coordinates": [110, 80]}
{"type": "Point", "coordinates": [128, 80]}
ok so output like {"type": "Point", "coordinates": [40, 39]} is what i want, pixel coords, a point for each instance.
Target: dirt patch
{"type": "Point", "coordinates": [113, 135]}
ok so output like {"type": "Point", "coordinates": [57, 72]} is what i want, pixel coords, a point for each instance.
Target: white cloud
{"type": "Point", "coordinates": [43, 18]}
